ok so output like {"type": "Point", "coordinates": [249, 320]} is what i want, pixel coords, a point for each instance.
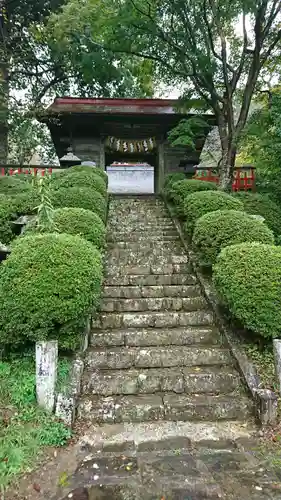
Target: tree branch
{"type": "Point", "coordinates": [270, 49]}
{"type": "Point", "coordinates": [238, 72]}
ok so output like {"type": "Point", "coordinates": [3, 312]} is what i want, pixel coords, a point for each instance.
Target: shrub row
{"type": "Point", "coordinates": [221, 228]}
{"type": "Point", "coordinates": [235, 234]}
{"type": "Point", "coordinates": [77, 221]}
{"type": "Point", "coordinates": [51, 282]}
{"type": "Point", "coordinates": [48, 285]}
{"type": "Point", "coordinates": [179, 190]}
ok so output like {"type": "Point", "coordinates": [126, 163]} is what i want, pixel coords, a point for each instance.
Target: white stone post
{"type": "Point", "coordinates": [46, 373]}
{"type": "Point", "coordinates": [277, 359]}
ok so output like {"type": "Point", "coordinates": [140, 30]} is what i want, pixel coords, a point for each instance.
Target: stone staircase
{"type": "Point", "coordinates": [168, 415]}
{"type": "Point", "coordinates": [156, 354]}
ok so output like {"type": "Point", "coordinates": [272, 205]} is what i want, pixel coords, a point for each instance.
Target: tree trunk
{"type": "Point", "coordinates": [3, 117]}
{"type": "Point", "coordinates": [227, 168]}
{"type": "Point", "coordinates": [4, 95]}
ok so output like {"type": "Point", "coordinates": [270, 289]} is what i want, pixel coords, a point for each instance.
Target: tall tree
{"type": "Point", "coordinates": [36, 63]}
{"type": "Point", "coordinates": [196, 44]}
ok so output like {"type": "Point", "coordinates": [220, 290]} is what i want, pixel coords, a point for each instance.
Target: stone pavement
{"type": "Point", "coordinates": [170, 415]}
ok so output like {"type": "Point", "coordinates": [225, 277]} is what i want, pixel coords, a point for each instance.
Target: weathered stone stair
{"type": "Point", "coordinates": [156, 354]}
{"type": "Point", "coordinates": [168, 414]}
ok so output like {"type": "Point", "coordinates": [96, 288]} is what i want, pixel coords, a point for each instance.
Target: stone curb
{"type": "Point", "coordinates": [66, 403]}
{"type": "Point", "coordinates": [265, 400]}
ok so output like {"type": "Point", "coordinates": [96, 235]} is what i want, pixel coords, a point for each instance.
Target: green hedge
{"type": "Point", "coordinates": [93, 170]}
{"type": "Point", "coordinates": [25, 203]}
{"type": "Point", "coordinates": [77, 221]}
{"type": "Point", "coordinates": [216, 230]}
{"type": "Point", "coordinates": [248, 280]}
{"type": "Point", "coordinates": [12, 184]}
{"type": "Point", "coordinates": [80, 197]}
{"type": "Point", "coordinates": [178, 191]}
{"type": "Point", "coordinates": [6, 216]}
{"type": "Point", "coordinates": [200, 203]}
{"type": "Point", "coordinates": [48, 285]}
{"type": "Point", "coordinates": [261, 204]}
{"type": "Point", "coordinates": [170, 179]}
{"type": "Point", "coordinates": [83, 179]}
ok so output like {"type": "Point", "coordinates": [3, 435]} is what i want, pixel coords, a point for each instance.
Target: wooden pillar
{"type": "Point", "coordinates": [102, 154]}
{"type": "Point", "coordinates": [159, 174]}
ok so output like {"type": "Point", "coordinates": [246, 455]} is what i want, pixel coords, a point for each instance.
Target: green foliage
{"type": "Point", "coordinates": [186, 42]}
{"type": "Point", "coordinates": [248, 279]}
{"type": "Point", "coordinates": [84, 179]}
{"type": "Point", "coordinates": [265, 364]}
{"type": "Point", "coordinates": [216, 230]}
{"type": "Point", "coordinates": [179, 190]}
{"type": "Point", "coordinates": [45, 211]}
{"type": "Point", "coordinates": [260, 143]}
{"type": "Point", "coordinates": [6, 216]}
{"type": "Point", "coordinates": [77, 221]}
{"type": "Point", "coordinates": [24, 428]}
{"type": "Point", "coordinates": [94, 170]}
{"type": "Point", "coordinates": [10, 185]}
{"type": "Point", "coordinates": [26, 203]}
{"type": "Point", "coordinates": [188, 131]}
{"type": "Point", "coordinates": [48, 286]}
{"type": "Point", "coordinates": [80, 197]}
{"type": "Point", "coordinates": [261, 204]}
{"type": "Point", "coordinates": [170, 179]}
{"type": "Point", "coordinates": [200, 203]}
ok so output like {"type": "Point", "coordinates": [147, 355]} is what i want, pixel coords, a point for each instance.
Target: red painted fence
{"type": "Point", "coordinates": [244, 177]}
{"type": "Point", "coordinates": [26, 170]}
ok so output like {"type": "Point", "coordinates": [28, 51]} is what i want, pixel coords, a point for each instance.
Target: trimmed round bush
{"type": "Point", "coordinates": [6, 216]}
{"type": "Point", "coordinates": [180, 189]}
{"type": "Point", "coordinates": [80, 197]}
{"type": "Point", "coordinates": [12, 184]}
{"type": "Point", "coordinates": [78, 221]}
{"type": "Point", "coordinates": [83, 179]}
{"type": "Point", "coordinates": [83, 168]}
{"type": "Point", "coordinates": [25, 203]}
{"type": "Point", "coordinates": [48, 286]}
{"type": "Point", "coordinates": [216, 230]}
{"type": "Point", "coordinates": [93, 170]}
{"type": "Point", "coordinates": [170, 179]}
{"type": "Point", "coordinates": [261, 204]}
{"type": "Point", "coordinates": [200, 203]}
{"type": "Point", "coordinates": [248, 280]}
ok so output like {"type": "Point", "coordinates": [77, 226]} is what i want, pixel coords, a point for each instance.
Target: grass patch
{"type": "Point", "coordinates": [264, 362]}
{"type": "Point", "coordinates": [24, 428]}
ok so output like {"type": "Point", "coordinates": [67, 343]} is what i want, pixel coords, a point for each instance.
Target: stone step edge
{"type": "Point", "coordinates": [177, 380]}
{"type": "Point", "coordinates": [115, 337]}
{"type": "Point", "coordinates": [164, 406]}
{"type": "Point", "coordinates": [167, 435]}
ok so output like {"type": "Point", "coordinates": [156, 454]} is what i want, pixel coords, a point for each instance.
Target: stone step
{"type": "Point", "coordinates": [154, 319]}
{"type": "Point", "coordinates": [141, 222]}
{"type": "Point", "coordinates": [167, 406]}
{"type": "Point", "coordinates": [146, 252]}
{"type": "Point", "coordinates": [156, 337]}
{"type": "Point", "coordinates": [134, 246]}
{"type": "Point", "coordinates": [194, 380]}
{"type": "Point", "coordinates": [158, 260]}
{"type": "Point", "coordinates": [129, 292]}
{"type": "Point", "coordinates": [167, 436]}
{"type": "Point", "coordinates": [114, 269]}
{"type": "Point", "coordinates": [120, 358]}
{"type": "Point", "coordinates": [154, 304]}
{"type": "Point", "coordinates": [151, 280]}
{"type": "Point", "coordinates": [143, 237]}
{"type": "Point", "coordinates": [142, 231]}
